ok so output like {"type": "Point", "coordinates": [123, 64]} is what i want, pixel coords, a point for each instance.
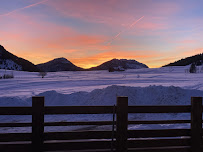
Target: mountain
{"type": "Point", "coordinates": [58, 64]}
{"type": "Point", "coordinates": [124, 63]}
{"type": "Point", "coordinates": [11, 62]}
{"type": "Point", "coordinates": [196, 59]}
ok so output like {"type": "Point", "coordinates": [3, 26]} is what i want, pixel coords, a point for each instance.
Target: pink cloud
{"type": "Point", "coordinates": [114, 12]}
{"type": "Point", "coordinates": [146, 25]}
{"type": "Point", "coordinates": [39, 40]}
{"type": "Point", "coordinates": [22, 8]}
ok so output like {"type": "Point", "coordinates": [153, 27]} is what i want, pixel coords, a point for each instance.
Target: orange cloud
{"type": "Point", "coordinates": [193, 52]}
{"type": "Point", "coordinates": [160, 61]}
{"type": "Point", "coordinates": [32, 37]}
{"type": "Point", "coordinates": [95, 60]}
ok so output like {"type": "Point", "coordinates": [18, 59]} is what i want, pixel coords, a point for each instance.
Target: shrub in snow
{"type": "Point", "coordinates": [42, 74]}
{"type": "Point", "coordinates": [7, 76]}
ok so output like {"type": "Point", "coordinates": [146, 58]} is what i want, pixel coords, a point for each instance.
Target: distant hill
{"type": "Point", "coordinates": [58, 64]}
{"type": "Point", "coordinates": [196, 59]}
{"type": "Point", "coordinates": [124, 63]}
{"type": "Point", "coordinates": [11, 62]}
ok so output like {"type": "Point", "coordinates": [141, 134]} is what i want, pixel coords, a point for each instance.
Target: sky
{"type": "Point", "coordinates": [90, 32]}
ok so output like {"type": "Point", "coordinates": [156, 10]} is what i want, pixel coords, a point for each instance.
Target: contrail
{"type": "Point", "coordinates": [131, 26]}
{"type": "Point", "coordinates": [16, 10]}
{"type": "Point", "coordinates": [136, 22]}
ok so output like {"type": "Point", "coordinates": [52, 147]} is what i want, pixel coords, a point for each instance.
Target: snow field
{"type": "Point", "coordinates": [161, 86]}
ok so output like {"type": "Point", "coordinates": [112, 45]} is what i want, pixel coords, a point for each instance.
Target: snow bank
{"type": "Point", "coordinates": [13, 102]}
{"type": "Point", "coordinates": [152, 95]}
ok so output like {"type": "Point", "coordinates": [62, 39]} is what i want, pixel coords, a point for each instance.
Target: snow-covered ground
{"type": "Point", "coordinates": [160, 86]}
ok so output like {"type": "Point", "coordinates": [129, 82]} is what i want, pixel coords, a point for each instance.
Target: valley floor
{"type": "Point", "coordinates": [26, 84]}
{"type": "Point", "coordinates": [160, 86]}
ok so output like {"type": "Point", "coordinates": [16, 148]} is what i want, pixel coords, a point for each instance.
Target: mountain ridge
{"type": "Point", "coordinates": [124, 63]}
{"type": "Point", "coordinates": [12, 62]}
{"type": "Point", "coordinates": [58, 64]}
{"type": "Point", "coordinates": [196, 59]}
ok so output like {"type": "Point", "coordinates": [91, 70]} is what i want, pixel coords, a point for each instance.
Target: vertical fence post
{"type": "Point", "coordinates": [37, 123]}
{"type": "Point", "coordinates": [121, 124]}
{"type": "Point", "coordinates": [196, 124]}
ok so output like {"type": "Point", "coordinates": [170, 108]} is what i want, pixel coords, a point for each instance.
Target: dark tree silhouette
{"type": "Point", "coordinates": [193, 68]}
{"type": "Point", "coordinates": [196, 59]}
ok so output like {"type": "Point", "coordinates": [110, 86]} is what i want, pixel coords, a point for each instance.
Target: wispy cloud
{"type": "Point", "coordinates": [19, 9]}
{"type": "Point", "coordinates": [129, 27]}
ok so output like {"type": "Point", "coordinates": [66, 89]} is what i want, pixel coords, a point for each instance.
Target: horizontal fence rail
{"type": "Point", "coordinates": [95, 123]}
{"type": "Point", "coordinates": [79, 110]}
{"type": "Point", "coordinates": [159, 109]}
{"type": "Point", "coordinates": [15, 110]}
{"type": "Point", "coordinates": [154, 140]}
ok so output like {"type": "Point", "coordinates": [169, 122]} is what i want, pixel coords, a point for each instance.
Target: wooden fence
{"type": "Point", "coordinates": [159, 140]}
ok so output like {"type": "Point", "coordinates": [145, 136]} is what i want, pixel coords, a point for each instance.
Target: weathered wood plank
{"type": "Point", "coordinates": [15, 110]}
{"type": "Point", "coordinates": [121, 124]}
{"type": "Point", "coordinates": [196, 124]}
{"type": "Point", "coordinates": [159, 109]}
{"type": "Point", "coordinates": [79, 110]}
{"type": "Point", "coordinates": [6, 137]}
{"type": "Point", "coordinates": [82, 145]}
{"type": "Point", "coordinates": [80, 123]}
{"type": "Point", "coordinates": [20, 147]}
{"type": "Point", "coordinates": [37, 123]}
{"type": "Point", "coordinates": [15, 124]}
{"type": "Point", "coordinates": [94, 110]}
{"type": "Point", "coordinates": [73, 135]}
{"type": "Point", "coordinates": [145, 143]}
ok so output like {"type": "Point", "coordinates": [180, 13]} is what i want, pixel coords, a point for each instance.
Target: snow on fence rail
{"type": "Point", "coordinates": [167, 140]}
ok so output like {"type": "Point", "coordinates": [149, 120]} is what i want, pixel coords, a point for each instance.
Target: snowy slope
{"type": "Point", "coordinates": [10, 65]}
{"type": "Point", "coordinates": [10, 61]}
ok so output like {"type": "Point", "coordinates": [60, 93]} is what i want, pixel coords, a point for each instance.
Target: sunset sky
{"type": "Point", "coordinates": [90, 32]}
